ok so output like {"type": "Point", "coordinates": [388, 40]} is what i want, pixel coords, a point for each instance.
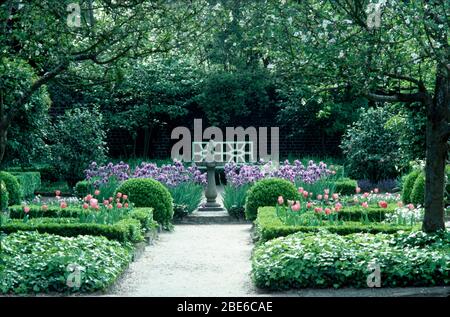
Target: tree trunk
{"type": "Point", "coordinates": [436, 155]}
{"type": "Point", "coordinates": [3, 141]}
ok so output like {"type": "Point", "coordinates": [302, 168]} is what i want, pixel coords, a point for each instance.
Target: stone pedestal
{"type": "Point", "coordinates": [211, 190]}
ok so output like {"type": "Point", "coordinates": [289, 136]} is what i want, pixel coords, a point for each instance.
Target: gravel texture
{"type": "Point", "coordinates": [194, 260]}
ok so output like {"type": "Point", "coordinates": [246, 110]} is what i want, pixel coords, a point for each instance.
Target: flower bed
{"type": "Point", "coordinates": [323, 259]}
{"type": "Point", "coordinates": [42, 263]}
{"type": "Point", "coordinates": [269, 226]}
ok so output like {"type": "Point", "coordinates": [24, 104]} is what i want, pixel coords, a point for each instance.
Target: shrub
{"type": "Point", "coordinates": [82, 188]}
{"type": "Point", "coordinates": [371, 147]}
{"type": "Point", "coordinates": [146, 192]}
{"type": "Point", "coordinates": [13, 188]}
{"type": "Point", "coordinates": [36, 211]}
{"type": "Point", "coordinates": [32, 263]}
{"type": "Point", "coordinates": [408, 185]}
{"type": "Point", "coordinates": [29, 182]}
{"type": "Point", "coordinates": [269, 226]}
{"type": "Point", "coordinates": [322, 259]}
{"type": "Point", "coordinates": [75, 147]}
{"type": "Point", "coordinates": [265, 193]}
{"type": "Point", "coordinates": [346, 186]}
{"type": "Point", "coordinates": [234, 199]}
{"type": "Point", "coordinates": [126, 230]}
{"type": "Point", "coordinates": [418, 190]}
{"type": "Point", "coordinates": [4, 197]}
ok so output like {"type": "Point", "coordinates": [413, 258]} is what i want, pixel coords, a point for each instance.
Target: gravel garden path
{"type": "Point", "coordinates": [194, 260]}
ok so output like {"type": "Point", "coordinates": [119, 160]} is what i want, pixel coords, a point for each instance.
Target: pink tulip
{"type": "Point", "coordinates": [338, 207]}
{"type": "Point", "coordinates": [26, 209]}
{"type": "Point", "coordinates": [309, 205]}
{"type": "Point", "coordinates": [400, 204]}
{"type": "Point", "coordinates": [296, 206]}
{"type": "Point", "coordinates": [318, 209]}
{"type": "Point", "coordinates": [305, 194]}
{"type": "Point", "coordinates": [365, 195]}
{"type": "Point", "coordinates": [280, 200]}
{"type": "Point", "coordinates": [327, 211]}
{"type": "Point", "coordinates": [326, 191]}
{"type": "Point", "coordinates": [85, 206]}
{"type": "Point", "coordinates": [326, 196]}
{"type": "Point", "coordinates": [111, 199]}
{"type": "Point", "coordinates": [57, 193]}
{"type": "Point", "coordinates": [106, 202]}
{"type": "Point", "coordinates": [125, 197]}
{"type": "Point", "coordinates": [119, 206]}
{"type": "Point", "coordinates": [376, 190]}
{"type": "Point", "coordinates": [88, 198]}
{"type": "Point", "coordinates": [319, 197]}
{"type": "Point", "coordinates": [44, 207]}
{"type": "Point", "coordinates": [358, 190]}
{"type": "Point", "coordinates": [93, 203]}
{"type": "Point", "coordinates": [365, 204]}
{"type": "Point", "coordinates": [119, 195]}
{"type": "Point", "coordinates": [300, 190]}
{"type": "Point", "coordinates": [383, 204]}
{"type": "Point", "coordinates": [126, 205]}
{"type": "Point", "coordinates": [110, 206]}
{"type": "Point", "coordinates": [335, 196]}
{"type": "Point", "coordinates": [410, 206]}
{"type": "Point", "coordinates": [63, 205]}
{"type": "Point", "coordinates": [97, 192]}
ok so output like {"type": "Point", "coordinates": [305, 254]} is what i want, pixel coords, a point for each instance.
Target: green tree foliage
{"type": "Point", "coordinates": [79, 139]}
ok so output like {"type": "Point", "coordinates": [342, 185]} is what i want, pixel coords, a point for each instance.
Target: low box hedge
{"type": "Point", "coordinates": [372, 213]}
{"type": "Point", "coordinates": [126, 230]}
{"type": "Point", "coordinates": [269, 226]}
{"type": "Point", "coordinates": [345, 186]}
{"type": "Point", "coordinates": [29, 181]}
{"type": "Point", "coordinates": [144, 215]}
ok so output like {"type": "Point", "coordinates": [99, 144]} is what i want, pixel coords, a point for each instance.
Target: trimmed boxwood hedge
{"type": "Point", "coordinates": [418, 190]}
{"type": "Point", "coordinates": [345, 186]}
{"type": "Point", "coordinates": [4, 197]}
{"type": "Point", "coordinates": [13, 188]}
{"type": "Point", "coordinates": [29, 182]}
{"type": "Point", "coordinates": [269, 226]}
{"type": "Point", "coordinates": [266, 192]}
{"type": "Point", "coordinates": [147, 192]}
{"type": "Point", "coordinates": [83, 188]}
{"type": "Point", "coordinates": [126, 230]}
{"type": "Point", "coordinates": [144, 215]}
{"type": "Point", "coordinates": [408, 185]}
{"type": "Point", "coordinates": [371, 213]}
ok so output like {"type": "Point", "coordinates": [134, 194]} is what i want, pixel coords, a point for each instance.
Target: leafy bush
{"type": "Point", "coordinates": [29, 182]}
{"type": "Point", "coordinates": [13, 188]}
{"type": "Point", "coordinates": [269, 226]}
{"type": "Point", "coordinates": [371, 147]}
{"type": "Point", "coordinates": [345, 186]}
{"type": "Point", "coordinates": [76, 148]}
{"type": "Point", "coordinates": [126, 230]}
{"type": "Point", "coordinates": [408, 185]}
{"type": "Point", "coordinates": [82, 188]}
{"type": "Point", "coordinates": [146, 192]}
{"type": "Point", "coordinates": [32, 263]}
{"type": "Point", "coordinates": [418, 190]}
{"type": "Point", "coordinates": [4, 197]}
{"type": "Point", "coordinates": [265, 193]}
{"type": "Point", "coordinates": [234, 199]}
{"type": "Point", "coordinates": [322, 259]}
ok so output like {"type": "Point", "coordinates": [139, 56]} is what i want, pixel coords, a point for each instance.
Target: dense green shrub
{"type": "Point", "coordinates": [346, 186]}
{"type": "Point", "coordinates": [371, 148]}
{"type": "Point", "coordinates": [372, 213]}
{"type": "Point", "coordinates": [82, 188]}
{"type": "Point", "coordinates": [32, 263]}
{"type": "Point", "coordinates": [76, 148]}
{"type": "Point", "coordinates": [29, 182]}
{"type": "Point", "coordinates": [322, 259]}
{"type": "Point", "coordinates": [269, 226]}
{"type": "Point", "coordinates": [266, 192]}
{"type": "Point", "coordinates": [13, 188]}
{"type": "Point", "coordinates": [123, 231]}
{"type": "Point", "coordinates": [4, 197]}
{"type": "Point", "coordinates": [408, 185]}
{"type": "Point", "coordinates": [418, 190]}
{"type": "Point", "coordinates": [147, 192]}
